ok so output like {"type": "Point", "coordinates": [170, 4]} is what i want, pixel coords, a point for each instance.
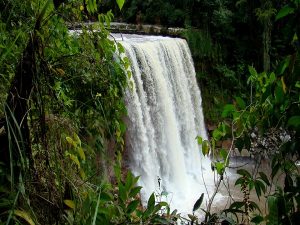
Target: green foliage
{"type": "Point", "coordinates": [291, 8]}
{"type": "Point", "coordinates": [169, 13]}
{"type": "Point", "coordinates": [76, 122]}
{"type": "Point", "coordinates": [276, 103]}
{"type": "Point", "coordinates": [77, 92]}
{"type": "Point", "coordinates": [13, 38]}
{"type": "Point", "coordinates": [247, 181]}
{"type": "Point", "coordinates": [273, 101]}
{"type": "Point", "coordinates": [201, 45]}
{"type": "Point", "coordinates": [273, 216]}
{"type": "Point", "coordinates": [220, 157]}
{"type": "Point", "coordinates": [76, 106]}
{"type": "Point", "coordinates": [99, 206]}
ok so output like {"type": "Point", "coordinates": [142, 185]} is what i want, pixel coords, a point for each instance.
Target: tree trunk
{"type": "Point", "coordinates": [16, 109]}
{"type": "Point", "coordinates": [266, 45]}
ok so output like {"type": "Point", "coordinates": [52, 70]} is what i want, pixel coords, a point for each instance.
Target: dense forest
{"type": "Point", "coordinates": [62, 108]}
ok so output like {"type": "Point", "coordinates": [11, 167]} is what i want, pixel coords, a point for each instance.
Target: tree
{"type": "Point", "coordinates": [264, 15]}
{"type": "Point", "coordinates": [43, 64]}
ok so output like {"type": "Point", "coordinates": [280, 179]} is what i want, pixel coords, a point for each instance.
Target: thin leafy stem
{"type": "Point", "coordinates": [97, 206]}
{"type": "Point", "coordinates": [202, 174]}
{"type": "Point", "coordinates": [12, 209]}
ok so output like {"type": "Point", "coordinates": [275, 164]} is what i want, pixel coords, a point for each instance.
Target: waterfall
{"type": "Point", "coordinates": [164, 118]}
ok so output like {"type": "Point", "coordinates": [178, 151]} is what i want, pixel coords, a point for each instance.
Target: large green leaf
{"type": "Point", "coordinates": [151, 202]}
{"type": "Point", "coordinates": [240, 102]}
{"type": "Point", "coordinates": [283, 65]}
{"type": "Point", "coordinates": [205, 147]}
{"type": "Point", "coordinates": [120, 3]}
{"type": "Point", "coordinates": [199, 140]}
{"type": "Point", "coordinates": [223, 154]}
{"type": "Point", "coordinates": [24, 215]}
{"type": "Point", "coordinates": [91, 5]}
{"type": "Point", "coordinates": [117, 172]}
{"type": "Point", "coordinates": [122, 192]}
{"type": "Point", "coordinates": [220, 166]}
{"type": "Point", "coordinates": [294, 121]}
{"type": "Point", "coordinates": [253, 74]}
{"type": "Point", "coordinates": [129, 181]}
{"type": "Point", "coordinates": [284, 11]}
{"type": "Point", "coordinates": [150, 207]}
{"type": "Point", "coordinates": [228, 109]}
{"type": "Point", "coordinates": [106, 196]}
{"type": "Point", "coordinates": [217, 134]}
{"type": "Point", "coordinates": [279, 94]}
{"type": "Point", "coordinates": [273, 218]}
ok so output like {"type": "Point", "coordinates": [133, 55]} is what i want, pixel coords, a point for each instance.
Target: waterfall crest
{"type": "Point", "coordinates": [164, 117]}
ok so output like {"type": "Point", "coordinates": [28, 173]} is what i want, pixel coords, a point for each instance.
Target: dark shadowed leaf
{"type": "Point", "coordinates": [161, 220]}
{"type": "Point", "coordinates": [264, 177]}
{"type": "Point", "coordinates": [106, 196]}
{"type": "Point", "coordinates": [283, 65]}
{"type": "Point", "coordinates": [132, 206]}
{"type": "Point", "coordinates": [241, 180]}
{"type": "Point", "coordinates": [257, 189]}
{"type": "Point", "coordinates": [237, 205]}
{"type": "Point", "coordinates": [261, 185]}
{"type": "Point", "coordinates": [243, 173]}
{"type": "Point", "coordinates": [198, 203]}
{"type": "Point", "coordinates": [279, 94]}
{"type": "Point", "coordinates": [192, 217]}
{"type": "Point", "coordinates": [239, 143]}
{"type": "Point", "coordinates": [174, 212]}
{"type": "Point", "coordinates": [257, 219]}
{"type": "Point", "coordinates": [253, 206]}
{"type": "Point", "coordinates": [294, 121]}
{"type": "Point", "coordinates": [275, 169]}
{"type": "Point", "coordinates": [247, 142]}
{"type": "Point", "coordinates": [134, 191]}
{"type": "Point", "coordinates": [151, 202]}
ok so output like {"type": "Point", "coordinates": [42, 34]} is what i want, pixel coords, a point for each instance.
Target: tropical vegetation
{"type": "Point", "coordinates": [62, 108]}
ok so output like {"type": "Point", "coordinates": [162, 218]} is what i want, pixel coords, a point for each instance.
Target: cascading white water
{"type": "Point", "coordinates": [164, 117]}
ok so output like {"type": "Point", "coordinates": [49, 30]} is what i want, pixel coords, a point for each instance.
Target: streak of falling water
{"type": "Point", "coordinates": [164, 117]}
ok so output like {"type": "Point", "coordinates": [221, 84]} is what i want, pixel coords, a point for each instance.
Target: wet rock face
{"type": "Point", "coordinates": [145, 29]}
{"type": "Point", "coordinates": [268, 144]}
